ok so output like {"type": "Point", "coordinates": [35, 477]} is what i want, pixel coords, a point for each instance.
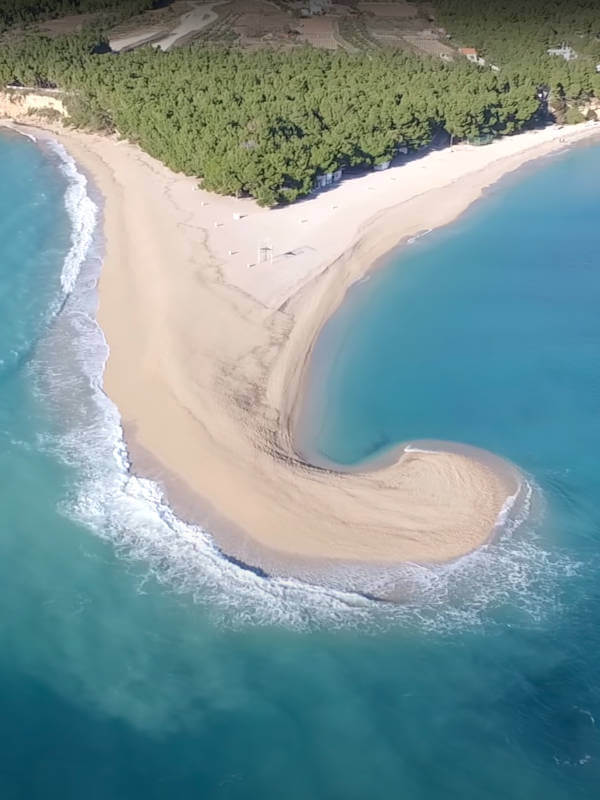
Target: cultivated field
{"type": "Point", "coordinates": [430, 45]}
{"type": "Point", "coordinates": [254, 24]}
{"type": "Point", "coordinates": [319, 32]}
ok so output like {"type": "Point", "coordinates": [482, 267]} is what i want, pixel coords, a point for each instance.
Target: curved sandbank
{"type": "Point", "coordinates": [207, 358]}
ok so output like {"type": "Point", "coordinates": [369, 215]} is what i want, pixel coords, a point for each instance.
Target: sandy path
{"type": "Point", "coordinates": [190, 23]}
{"type": "Point", "coordinates": [163, 35]}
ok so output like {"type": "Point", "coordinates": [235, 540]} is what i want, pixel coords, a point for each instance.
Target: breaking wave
{"type": "Point", "coordinates": [82, 212]}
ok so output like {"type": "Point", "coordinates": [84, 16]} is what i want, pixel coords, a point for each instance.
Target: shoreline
{"type": "Point", "coordinates": [214, 408]}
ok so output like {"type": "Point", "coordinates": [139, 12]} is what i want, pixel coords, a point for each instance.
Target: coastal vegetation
{"type": "Point", "coordinates": [516, 37]}
{"type": "Point", "coordinates": [266, 123]}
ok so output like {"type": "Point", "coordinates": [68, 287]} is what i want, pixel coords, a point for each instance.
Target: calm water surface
{"type": "Point", "coordinates": [136, 663]}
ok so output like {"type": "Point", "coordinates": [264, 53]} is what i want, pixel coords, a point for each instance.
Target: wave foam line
{"type": "Point", "coordinates": [82, 212]}
{"type": "Point", "coordinates": [505, 519]}
{"type": "Point", "coordinates": [29, 136]}
{"type": "Point", "coordinates": [420, 235]}
{"type": "Point", "coordinates": [410, 449]}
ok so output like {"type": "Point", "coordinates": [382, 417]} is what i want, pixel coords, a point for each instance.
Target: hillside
{"type": "Point", "coordinates": [268, 121]}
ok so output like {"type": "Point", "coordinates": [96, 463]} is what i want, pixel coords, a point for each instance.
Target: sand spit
{"type": "Point", "coordinates": [208, 355]}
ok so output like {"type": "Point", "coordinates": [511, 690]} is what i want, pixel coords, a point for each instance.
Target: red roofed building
{"type": "Point", "coordinates": [472, 54]}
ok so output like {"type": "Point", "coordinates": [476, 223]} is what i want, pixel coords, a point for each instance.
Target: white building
{"type": "Point", "coordinates": [472, 55]}
{"type": "Point", "coordinates": [565, 51]}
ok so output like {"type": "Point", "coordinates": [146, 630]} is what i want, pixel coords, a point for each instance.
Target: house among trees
{"type": "Point", "coordinates": [472, 55]}
{"type": "Point", "coordinates": [565, 50]}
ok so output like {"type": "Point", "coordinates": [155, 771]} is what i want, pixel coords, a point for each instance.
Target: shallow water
{"type": "Point", "coordinates": [136, 662]}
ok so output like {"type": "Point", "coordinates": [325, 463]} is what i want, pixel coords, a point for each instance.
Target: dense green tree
{"type": "Point", "coordinates": [266, 123]}
{"type": "Point", "coordinates": [515, 35]}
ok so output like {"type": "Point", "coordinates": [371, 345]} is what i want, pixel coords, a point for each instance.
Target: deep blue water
{"type": "Point", "coordinates": [136, 663]}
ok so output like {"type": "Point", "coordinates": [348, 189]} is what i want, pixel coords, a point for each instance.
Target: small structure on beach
{"type": "Point", "coordinates": [565, 51]}
{"type": "Point", "coordinates": [381, 167]}
{"type": "Point", "coordinates": [472, 55]}
{"type": "Point", "coordinates": [328, 178]}
{"type": "Point", "coordinates": [265, 252]}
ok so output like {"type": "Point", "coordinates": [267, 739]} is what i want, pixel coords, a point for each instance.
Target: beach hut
{"type": "Point", "coordinates": [381, 167]}
{"type": "Point", "coordinates": [326, 179]}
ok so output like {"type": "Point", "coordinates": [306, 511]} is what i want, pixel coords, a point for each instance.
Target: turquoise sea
{"type": "Point", "coordinates": [136, 662]}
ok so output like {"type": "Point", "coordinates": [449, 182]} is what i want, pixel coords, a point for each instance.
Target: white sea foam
{"type": "Point", "coordinates": [507, 516]}
{"type": "Point", "coordinates": [82, 213]}
{"type": "Point", "coordinates": [409, 448]}
{"type": "Point", "coordinates": [514, 571]}
{"type": "Point", "coordinates": [420, 235]}
{"type": "Point", "coordinates": [29, 136]}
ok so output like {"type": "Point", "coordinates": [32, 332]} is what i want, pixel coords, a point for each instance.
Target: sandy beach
{"type": "Point", "coordinates": [208, 349]}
